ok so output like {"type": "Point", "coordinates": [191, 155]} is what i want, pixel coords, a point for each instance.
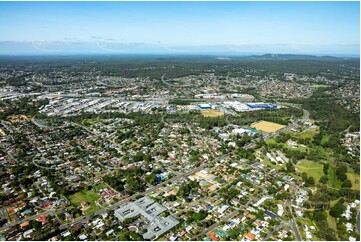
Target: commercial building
{"type": "Point", "coordinates": [150, 210]}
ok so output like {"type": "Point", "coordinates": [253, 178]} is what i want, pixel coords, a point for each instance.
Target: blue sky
{"type": "Point", "coordinates": [332, 27]}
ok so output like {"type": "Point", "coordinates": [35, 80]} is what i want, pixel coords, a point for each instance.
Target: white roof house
{"type": "Point", "coordinates": [83, 237]}
{"type": "Point", "coordinates": [280, 210]}
{"type": "Point", "coordinates": [349, 227]}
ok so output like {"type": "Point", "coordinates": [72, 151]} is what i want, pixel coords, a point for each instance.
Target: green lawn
{"type": "Point", "coordinates": [333, 181]}
{"type": "Point", "coordinates": [97, 187]}
{"type": "Point", "coordinates": [355, 179]}
{"type": "Point", "coordinates": [267, 162]}
{"type": "Point", "coordinates": [311, 168]}
{"type": "Point", "coordinates": [309, 133]}
{"type": "Point", "coordinates": [333, 202]}
{"type": "Point", "coordinates": [271, 141]}
{"type": "Point", "coordinates": [300, 147]}
{"type": "Point", "coordinates": [332, 222]}
{"type": "Point", "coordinates": [325, 139]}
{"type": "Point", "coordinates": [89, 122]}
{"type": "Point", "coordinates": [89, 196]}
{"type": "Point", "coordinates": [305, 221]}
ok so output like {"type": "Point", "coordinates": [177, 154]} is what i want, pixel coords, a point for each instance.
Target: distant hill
{"type": "Point", "coordinates": [296, 57]}
{"type": "Point", "coordinates": [221, 52]}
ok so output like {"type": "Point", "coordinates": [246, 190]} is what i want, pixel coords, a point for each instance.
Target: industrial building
{"type": "Point", "coordinates": [261, 105]}
{"type": "Point", "coordinates": [204, 106]}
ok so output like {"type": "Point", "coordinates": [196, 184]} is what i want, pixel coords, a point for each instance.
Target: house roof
{"type": "Point", "coordinates": [250, 236]}
{"type": "Point", "coordinates": [26, 223]}
{"type": "Point", "coordinates": [213, 236]}
{"type": "Point", "coordinates": [11, 209]}
{"type": "Point", "coordinates": [221, 233]}
{"type": "Point", "coordinates": [47, 204]}
{"type": "Point", "coordinates": [83, 236]}
{"type": "Point", "coordinates": [42, 219]}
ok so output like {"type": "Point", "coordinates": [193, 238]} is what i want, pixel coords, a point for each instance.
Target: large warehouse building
{"type": "Point", "coordinates": [204, 106]}
{"type": "Point", "coordinates": [261, 105]}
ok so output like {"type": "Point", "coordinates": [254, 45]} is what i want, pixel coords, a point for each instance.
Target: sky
{"type": "Point", "coordinates": [299, 27]}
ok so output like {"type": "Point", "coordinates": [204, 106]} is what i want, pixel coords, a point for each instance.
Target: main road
{"type": "Point", "coordinates": [293, 223]}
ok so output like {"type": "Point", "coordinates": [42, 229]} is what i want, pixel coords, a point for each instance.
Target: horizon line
{"type": "Point", "coordinates": [193, 54]}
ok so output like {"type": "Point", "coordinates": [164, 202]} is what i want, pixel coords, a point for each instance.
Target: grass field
{"type": "Point", "coordinates": [89, 196]}
{"type": "Point", "coordinates": [310, 133]}
{"type": "Point", "coordinates": [89, 122]}
{"type": "Point", "coordinates": [305, 221]}
{"type": "Point", "coordinates": [211, 113]}
{"type": "Point", "coordinates": [355, 179]}
{"type": "Point", "coordinates": [333, 181]}
{"type": "Point", "coordinates": [332, 222]}
{"type": "Point", "coordinates": [267, 162]}
{"type": "Point", "coordinates": [311, 168]}
{"type": "Point", "coordinates": [267, 126]}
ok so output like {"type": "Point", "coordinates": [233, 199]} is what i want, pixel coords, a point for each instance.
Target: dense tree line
{"type": "Point", "coordinates": [155, 66]}
{"type": "Point", "coordinates": [334, 117]}
{"type": "Point", "coordinates": [23, 106]}
{"type": "Point", "coordinates": [180, 102]}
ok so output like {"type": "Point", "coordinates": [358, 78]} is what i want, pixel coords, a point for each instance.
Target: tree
{"type": "Point", "coordinates": [290, 167]}
{"type": "Point", "coordinates": [310, 181]}
{"type": "Point", "coordinates": [152, 179]}
{"type": "Point", "coordinates": [271, 189]}
{"type": "Point", "coordinates": [233, 233]}
{"type": "Point", "coordinates": [124, 236]}
{"type": "Point", "coordinates": [200, 216]}
{"type": "Point", "coordinates": [337, 210]}
{"type": "Point", "coordinates": [135, 236]}
{"type": "Point", "coordinates": [170, 198]}
{"type": "Point", "coordinates": [325, 168]}
{"type": "Point", "coordinates": [323, 179]}
{"type": "Point", "coordinates": [36, 225]}
{"type": "Point", "coordinates": [341, 172]}
{"type": "Point", "coordinates": [347, 183]}
{"type": "Point", "coordinates": [327, 233]}
{"type": "Point", "coordinates": [319, 215]}
{"type": "Point", "coordinates": [231, 193]}
{"type": "Point", "coordinates": [128, 221]}
{"type": "Point", "coordinates": [304, 176]}
{"type": "Point", "coordinates": [138, 156]}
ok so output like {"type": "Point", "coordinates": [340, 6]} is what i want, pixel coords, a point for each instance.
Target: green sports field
{"type": "Point", "coordinates": [311, 168]}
